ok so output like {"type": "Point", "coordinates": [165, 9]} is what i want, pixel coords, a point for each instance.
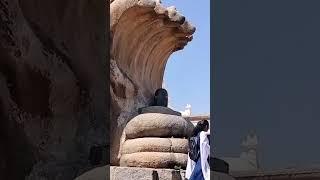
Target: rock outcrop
{"type": "Point", "coordinates": [53, 97]}
{"type": "Point", "coordinates": [143, 36]}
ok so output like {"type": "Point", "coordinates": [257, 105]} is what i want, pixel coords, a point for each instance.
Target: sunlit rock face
{"type": "Point", "coordinates": [52, 87]}
{"type": "Point", "coordinates": [143, 36]}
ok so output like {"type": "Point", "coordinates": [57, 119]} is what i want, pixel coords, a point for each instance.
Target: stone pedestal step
{"type": "Point", "coordinates": [151, 144]}
{"type": "Point", "coordinates": [133, 173]}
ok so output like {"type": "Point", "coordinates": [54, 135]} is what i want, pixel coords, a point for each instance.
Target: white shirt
{"type": "Point", "coordinates": [204, 154]}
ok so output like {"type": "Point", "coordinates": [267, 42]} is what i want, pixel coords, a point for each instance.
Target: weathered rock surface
{"type": "Point", "coordinates": [158, 125]}
{"type": "Point", "coordinates": [143, 36]}
{"type": "Point", "coordinates": [53, 87]}
{"type": "Point", "coordinates": [154, 160]}
{"type": "Point", "coordinates": [155, 145]}
{"type": "Point", "coordinates": [158, 109]}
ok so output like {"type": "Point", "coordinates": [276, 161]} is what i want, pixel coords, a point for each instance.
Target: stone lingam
{"type": "Point", "coordinates": [143, 35]}
{"type": "Point", "coordinates": [157, 137]}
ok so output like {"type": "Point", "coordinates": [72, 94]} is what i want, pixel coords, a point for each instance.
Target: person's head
{"type": "Point", "coordinates": [202, 125]}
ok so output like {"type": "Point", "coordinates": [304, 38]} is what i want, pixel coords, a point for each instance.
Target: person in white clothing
{"type": "Point", "coordinates": [198, 167]}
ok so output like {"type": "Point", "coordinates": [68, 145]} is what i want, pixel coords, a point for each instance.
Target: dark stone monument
{"type": "Point", "coordinates": [159, 104]}
{"type": "Point", "coordinates": [160, 98]}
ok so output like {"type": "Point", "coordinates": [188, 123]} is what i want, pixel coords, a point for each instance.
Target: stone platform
{"type": "Point", "coordinates": [220, 176]}
{"type": "Point", "coordinates": [133, 173]}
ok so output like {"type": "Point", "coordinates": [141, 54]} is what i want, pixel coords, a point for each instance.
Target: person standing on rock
{"type": "Point", "coordinates": [198, 167]}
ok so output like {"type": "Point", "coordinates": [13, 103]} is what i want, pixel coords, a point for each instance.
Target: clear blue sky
{"type": "Point", "coordinates": [187, 75]}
